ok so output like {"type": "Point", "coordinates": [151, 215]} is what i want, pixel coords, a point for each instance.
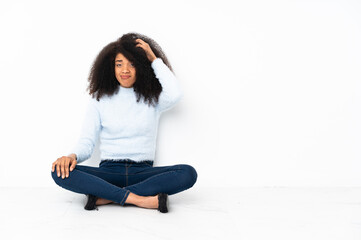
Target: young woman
{"type": "Point", "coordinates": [131, 83]}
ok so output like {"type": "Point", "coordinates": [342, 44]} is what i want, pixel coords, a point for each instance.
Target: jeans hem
{"type": "Point", "coordinates": [125, 198]}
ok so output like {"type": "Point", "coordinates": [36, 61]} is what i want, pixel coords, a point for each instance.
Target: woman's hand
{"type": "Point", "coordinates": [62, 165]}
{"type": "Point", "coordinates": [145, 46]}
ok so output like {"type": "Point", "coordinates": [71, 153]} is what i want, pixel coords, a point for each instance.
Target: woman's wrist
{"type": "Point", "coordinates": [153, 58]}
{"type": "Point", "coordinates": [73, 155]}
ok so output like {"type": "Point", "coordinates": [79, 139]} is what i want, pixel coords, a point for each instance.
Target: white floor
{"type": "Point", "coordinates": [199, 213]}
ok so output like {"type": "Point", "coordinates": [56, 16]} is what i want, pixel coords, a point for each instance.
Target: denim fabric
{"type": "Point", "coordinates": [115, 179]}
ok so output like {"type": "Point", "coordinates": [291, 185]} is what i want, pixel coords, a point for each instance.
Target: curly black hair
{"type": "Point", "coordinates": [102, 80]}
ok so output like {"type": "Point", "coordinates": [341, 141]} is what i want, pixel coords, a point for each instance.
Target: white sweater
{"type": "Point", "coordinates": [127, 128]}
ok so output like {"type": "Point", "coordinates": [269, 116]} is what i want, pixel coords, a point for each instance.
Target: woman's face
{"type": "Point", "coordinates": [124, 71]}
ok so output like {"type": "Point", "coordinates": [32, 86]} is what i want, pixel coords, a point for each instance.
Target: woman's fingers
{"type": "Point", "coordinates": [142, 44]}
{"type": "Point", "coordinates": [53, 166]}
{"type": "Point", "coordinates": [148, 50]}
{"type": "Point", "coordinates": [58, 168]}
{"type": "Point", "coordinates": [140, 41]}
{"type": "Point", "coordinates": [62, 166]}
{"type": "Point", "coordinates": [67, 161]}
{"type": "Point", "coordinates": [73, 163]}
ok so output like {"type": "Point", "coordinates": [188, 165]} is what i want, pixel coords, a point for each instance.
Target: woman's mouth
{"type": "Point", "coordinates": [124, 76]}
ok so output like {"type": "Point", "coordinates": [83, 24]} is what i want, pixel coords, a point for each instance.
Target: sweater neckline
{"type": "Point", "coordinates": [126, 90]}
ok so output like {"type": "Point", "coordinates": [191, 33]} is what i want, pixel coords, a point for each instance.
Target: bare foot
{"type": "Point", "coordinates": [149, 202]}
{"type": "Point", "coordinates": [102, 201]}
{"type": "Point", "coordinates": [140, 201]}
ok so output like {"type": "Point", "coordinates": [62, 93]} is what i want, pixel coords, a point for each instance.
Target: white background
{"type": "Point", "coordinates": [272, 88]}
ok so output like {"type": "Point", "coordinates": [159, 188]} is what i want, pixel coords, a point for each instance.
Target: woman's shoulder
{"type": "Point", "coordinates": [97, 103]}
{"type": "Point", "coordinates": [103, 99]}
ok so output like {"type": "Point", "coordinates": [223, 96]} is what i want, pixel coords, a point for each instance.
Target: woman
{"type": "Point", "coordinates": [131, 83]}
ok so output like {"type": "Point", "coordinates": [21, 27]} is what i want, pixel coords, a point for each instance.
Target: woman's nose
{"type": "Point", "coordinates": [125, 69]}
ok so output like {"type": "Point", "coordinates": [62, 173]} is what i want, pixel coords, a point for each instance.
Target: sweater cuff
{"type": "Point", "coordinates": [156, 62]}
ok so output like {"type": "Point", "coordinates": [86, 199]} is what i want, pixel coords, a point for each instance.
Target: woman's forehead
{"type": "Point", "coordinates": [120, 56]}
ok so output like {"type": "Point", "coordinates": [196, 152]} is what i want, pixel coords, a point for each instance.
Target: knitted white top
{"type": "Point", "coordinates": [127, 128]}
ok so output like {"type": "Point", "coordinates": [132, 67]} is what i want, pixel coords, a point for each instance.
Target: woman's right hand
{"type": "Point", "coordinates": [62, 165]}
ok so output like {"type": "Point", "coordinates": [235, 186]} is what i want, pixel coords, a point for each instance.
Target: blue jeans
{"type": "Point", "coordinates": [115, 179]}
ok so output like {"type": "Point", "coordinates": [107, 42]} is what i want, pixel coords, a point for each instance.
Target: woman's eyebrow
{"type": "Point", "coordinates": [118, 60]}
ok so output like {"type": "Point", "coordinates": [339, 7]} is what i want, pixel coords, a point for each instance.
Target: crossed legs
{"type": "Point", "coordinates": [128, 183]}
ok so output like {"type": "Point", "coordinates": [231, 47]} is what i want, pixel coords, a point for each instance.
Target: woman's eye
{"type": "Point", "coordinates": [119, 65]}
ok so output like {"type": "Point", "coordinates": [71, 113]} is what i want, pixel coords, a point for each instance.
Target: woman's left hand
{"type": "Point", "coordinates": [145, 46]}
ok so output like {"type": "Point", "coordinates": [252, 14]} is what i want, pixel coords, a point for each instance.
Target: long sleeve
{"type": "Point", "coordinates": [89, 133]}
{"type": "Point", "coordinates": [171, 92]}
